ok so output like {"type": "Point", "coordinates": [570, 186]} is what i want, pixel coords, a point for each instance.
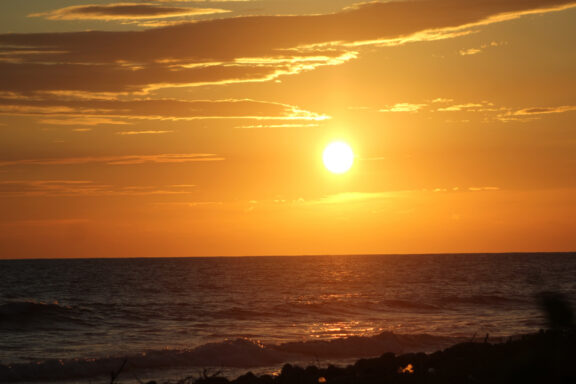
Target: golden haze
{"type": "Point", "coordinates": [177, 131]}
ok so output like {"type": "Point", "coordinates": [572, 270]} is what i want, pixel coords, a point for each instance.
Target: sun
{"type": "Point", "coordinates": [338, 157]}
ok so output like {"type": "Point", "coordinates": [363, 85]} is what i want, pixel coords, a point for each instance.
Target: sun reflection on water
{"type": "Point", "coordinates": [339, 329]}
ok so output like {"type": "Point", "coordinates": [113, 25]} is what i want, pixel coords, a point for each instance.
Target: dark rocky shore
{"type": "Point", "coordinates": [545, 357]}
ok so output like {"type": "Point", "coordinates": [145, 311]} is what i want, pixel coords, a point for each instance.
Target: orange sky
{"type": "Point", "coordinates": [188, 128]}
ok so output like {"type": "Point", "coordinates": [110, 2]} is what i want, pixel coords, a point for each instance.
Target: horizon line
{"type": "Point", "coordinates": [299, 255]}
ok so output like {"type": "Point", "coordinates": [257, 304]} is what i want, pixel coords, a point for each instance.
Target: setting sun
{"type": "Point", "coordinates": [338, 157]}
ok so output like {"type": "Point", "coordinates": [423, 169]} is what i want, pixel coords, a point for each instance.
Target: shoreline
{"type": "Point", "coordinates": [543, 357]}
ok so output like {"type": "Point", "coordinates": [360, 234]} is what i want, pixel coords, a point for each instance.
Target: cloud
{"type": "Point", "coordinates": [103, 111]}
{"type": "Point", "coordinates": [544, 110]}
{"type": "Point", "coordinates": [350, 197]}
{"type": "Point", "coordinates": [120, 160]}
{"type": "Point", "coordinates": [122, 11]}
{"type": "Point", "coordinates": [482, 106]}
{"type": "Point", "coordinates": [239, 49]}
{"type": "Point", "coordinates": [403, 107]}
{"type": "Point", "coordinates": [20, 76]}
{"type": "Point", "coordinates": [442, 100]}
{"type": "Point", "coordinates": [487, 110]}
{"type": "Point", "coordinates": [131, 133]}
{"type": "Point", "coordinates": [469, 51]}
{"type": "Point", "coordinates": [89, 121]}
{"type": "Point", "coordinates": [474, 51]}
{"type": "Point", "coordinates": [479, 189]}
{"type": "Point", "coordinates": [436, 106]}
{"type": "Point", "coordinates": [259, 126]}
{"type": "Point", "coordinates": [201, 1]}
{"type": "Point", "coordinates": [48, 222]}
{"type": "Point", "coordinates": [82, 188]}
{"type": "Point", "coordinates": [533, 113]}
{"type": "Point", "coordinates": [191, 204]}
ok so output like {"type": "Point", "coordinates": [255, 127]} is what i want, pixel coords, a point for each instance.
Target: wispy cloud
{"type": "Point", "coordinates": [544, 110]}
{"type": "Point", "coordinates": [240, 49]}
{"type": "Point", "coordinates": [119, 160]}
{"type": "Point", "coordinates": [487, 110]}
{"type": "Point", "coordinates": [260, 126]}
{"type": "Point", "coordinates": [122, 11]}
{"type": "Point", "coordinates": [441, 105]}
{"type": "Point", "coordinates": [479, 189]}
{"type": "Point", "coordinates": [103, 111]}
{"type": "Point", "coordinates": [47, 222]}
{"type": "Point", "coordinates": [403, 107]}
{"type": "Point", "coordinates": [363, 197]}
{"type": "Point", "coordinates": [469, 51]}
{"type": "Point", "coordinates": [122, 76]}
{"type": "Point", "coordinates": [191, 204]}
{"type": "Point", "coordinates": [200, 1]}
{"type": "Point", "coordinates": [90, 121]}
{"type": "Point", "coordinates": [83, 188]}
{"type": "Point", "coordinates": [131, 133]}
{"type": "Point", "coordinates": [533, 113]}
{"type": "Point", "coordinates": [350, 197]}
{"type": "Point", "coordinates": [476, 50]}
{"type": "Point", "coordinates": [482, 106]}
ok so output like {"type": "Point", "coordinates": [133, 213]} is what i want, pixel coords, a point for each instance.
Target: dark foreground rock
{"type": "Point", "coordinates": [544, 358]}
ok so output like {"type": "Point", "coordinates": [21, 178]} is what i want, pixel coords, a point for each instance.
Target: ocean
{"type": "Point", "coordinates": [77, 320]}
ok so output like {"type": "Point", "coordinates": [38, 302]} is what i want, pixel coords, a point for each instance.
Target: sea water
{"type": "Point", "coordinates": [78, 319]}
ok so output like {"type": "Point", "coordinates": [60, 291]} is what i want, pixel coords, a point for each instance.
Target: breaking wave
{"type": "Point", "coordinates": [238, 353]}
{"type": "Point", "coordinates": [27, 314]}
{"type": "Point", "coordinates": [484, 300]}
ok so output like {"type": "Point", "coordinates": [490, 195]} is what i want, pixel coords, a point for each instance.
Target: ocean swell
{"type": "Point", "coordinates": [238, 353]}
{"type": "Point", "coordinates": [34, 314]}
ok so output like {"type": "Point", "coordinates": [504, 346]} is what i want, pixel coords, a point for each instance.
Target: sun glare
{"type": "Point", "coordinates": [338, 157]}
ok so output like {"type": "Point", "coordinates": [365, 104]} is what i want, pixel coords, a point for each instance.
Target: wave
{"type": "Point", "coordinates": [379, 306]}
{"type": "Point", "coordinates": [30, 313]}
{"type": "Point", "coordinates": [341, 307]}
{"type": "Point", "coordinates": [366, 307]}
{"type": "Point", "coordinates": [364, 346]}
{"type": "Point", "coordinates": [238, 353]}
{"type": "Point", "coordinates": [411, 305]}
{"type": "Point", "coordinates": [484, 300]}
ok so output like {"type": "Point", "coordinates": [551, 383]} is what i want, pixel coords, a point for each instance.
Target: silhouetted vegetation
{"type": "Point", "coordinates": [558, 311]}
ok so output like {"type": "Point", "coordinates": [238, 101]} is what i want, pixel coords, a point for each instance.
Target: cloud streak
{"type": "Point", "coordinates": [544, 110]}
{"type": "Point", "coordinates": [477, 50]}
{"type": "Point", "coordinates": [260, 126]}
{"type": "Point", "coordinates": [171, 158]}
{"type": "Point", "coordinates": [533, 113]}
{"type": "Point", "coordinates": [132, 133]}
{"type": "Point", "coordinates": [122, 11]}
{"type": "Point", "coordinates": [403, 107]}
{"type": "Point", "coordinates": [240, 49]}
{"type": "Point", "coordinates": [83, 188]}
{"type": "Point", "coordinates": [488, 110]}
{"type": "Point", "coordinates": [95, 112]}
{"type": "Point", "coordinates": [85, 121]}
{"type": "Point", "coordinates": [200, 1]}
